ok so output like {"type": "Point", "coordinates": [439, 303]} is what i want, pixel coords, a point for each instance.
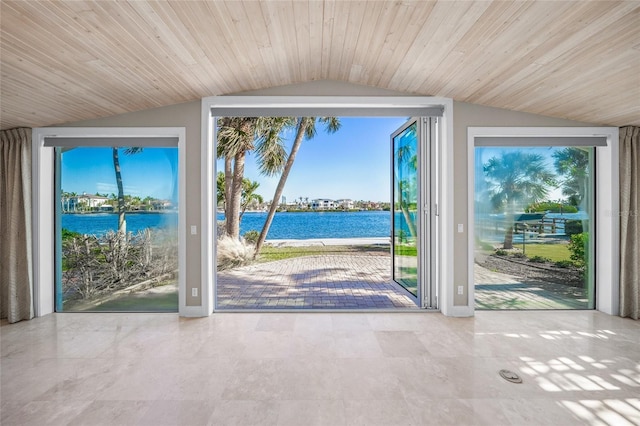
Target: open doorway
{"type": "Point", "coordinates": [343, 228]}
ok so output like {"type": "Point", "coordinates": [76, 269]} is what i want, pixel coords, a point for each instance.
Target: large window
{"type": "Point", "coordinates": [534, 227]}
{"type": "Point", "coordinates": [117, 229]}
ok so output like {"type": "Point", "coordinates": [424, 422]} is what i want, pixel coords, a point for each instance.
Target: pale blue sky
{"type": "Point", "coordinates": [151, 172]}
{"type": "Point", "coordinates": [352, 163]}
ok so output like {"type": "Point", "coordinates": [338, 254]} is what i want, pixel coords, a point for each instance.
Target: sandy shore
{"type": "Point", "coordinates": [329, 242]}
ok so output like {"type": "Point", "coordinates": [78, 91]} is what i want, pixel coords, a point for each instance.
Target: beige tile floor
{"type": "Point", "coordinates": [406, 368]}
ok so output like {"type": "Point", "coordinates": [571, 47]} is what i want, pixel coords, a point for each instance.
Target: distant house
{"type": "Point", "coordinates": [161, 204]}
{"type": "Point", "coordinates": [345, 203]}
{"type": "Point", "coordinates": [323, 204]}
{"type": "Point", "coordinates": [85, 202]}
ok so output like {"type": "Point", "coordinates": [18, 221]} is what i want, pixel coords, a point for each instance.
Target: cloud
{"type": "Point", "coordinates": [108, 188]}
{"type": "Point", "coordinates": [112, 188]}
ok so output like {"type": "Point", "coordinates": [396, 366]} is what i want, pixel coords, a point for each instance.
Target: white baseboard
{"type": "Point", "coordinates": [193, 311]}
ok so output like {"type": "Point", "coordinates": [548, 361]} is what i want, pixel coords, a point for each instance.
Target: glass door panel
{"type": "Point", "coordinates": [405, 198]}
{"type": "Point", "coordinates": [117, 229]}
{"type": "Point", "coordinates": [534, 215]}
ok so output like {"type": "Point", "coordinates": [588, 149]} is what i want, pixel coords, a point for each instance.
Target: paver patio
{"type": "Point", "coordinates": [318, 282]}
{"type": "Point", "coordinates": [503, 291]}
{"type": "Point", "coordinates": [364, 282]}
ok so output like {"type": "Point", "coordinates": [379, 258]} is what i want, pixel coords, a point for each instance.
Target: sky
{"type": "Point", "coordinates": [152, 172]}
{"type": "Point", "coordinates": [352, 163]}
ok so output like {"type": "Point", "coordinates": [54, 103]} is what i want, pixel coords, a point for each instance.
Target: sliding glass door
{"type": "Point", "coordinates": [117, 229]}
{"type": "Point", "coordinates": [534, 227]}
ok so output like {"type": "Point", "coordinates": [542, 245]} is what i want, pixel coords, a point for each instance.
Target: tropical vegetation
{"type": "Point", "coordinates": [515, 179]}
{"type": "Point", "coordinates": [305, 130]}
{"type": "Point", "coordinates": [264, 136]}
{"type": "Point", "coordinates": [236, 137]}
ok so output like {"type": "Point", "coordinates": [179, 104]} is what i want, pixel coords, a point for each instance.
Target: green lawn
{"type": "Point", "coordinates": [269, 253]}
{"type": "Point", "coordinates": [555, 252]}
{"type": "Point", "coordinates": [402, 250]}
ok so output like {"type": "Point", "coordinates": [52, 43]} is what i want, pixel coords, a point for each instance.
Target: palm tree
{"type": "Point", "coordinates": [573, 163]}
{"type": "Point", "coordinates": [249, 194]}
{"type": "Point", "coordinates": [122, 221]}
{"type": "Point", "coordinates": [407, 159]}
{"type": "Point", "coordinates": [220, 189]}
{"type": "Point", "coordinates": [305, 129]}
{"type": "Point", "coordinates": [515, 179]}
{"type": "Point", "coordinates": [236, 137]}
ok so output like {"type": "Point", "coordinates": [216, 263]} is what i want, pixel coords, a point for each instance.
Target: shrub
{"type": "Point", "coordinates": [573, 227]}
{"type": "Point", "coordinates": [251, 237]}
{"type": "Point", "coordinates": [563, 264]}
{"type": "Point", "coordinates": [233, 253]}
{"type": "Point", "coordinates": [539, 259]}
{"type": "Point", "coordinates": [550, 206]}
{"type": "Point", "coordinates": [93, 266]}
{"type": "Point", "coordinates": [519, 255]}
{"type": "Point", "coordinates": [221, 228]}
{"type": "Point", "coordinates": [578, 244]}
{"type": "Point", "coordinates": [500, 252]}
{"type": "Point", "coordinates": [67, 234]}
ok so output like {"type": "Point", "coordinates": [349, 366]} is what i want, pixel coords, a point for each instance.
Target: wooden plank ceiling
{"type": "Point", "coordinates": [63, 61]}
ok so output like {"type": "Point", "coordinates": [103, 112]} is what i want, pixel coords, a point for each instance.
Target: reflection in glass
{"type": "Point", "coordinates": [533, 219]}
{"type": "Point", "coordinates": [116, 226]}
{"type": "Point", "coordinates": [405, 205]}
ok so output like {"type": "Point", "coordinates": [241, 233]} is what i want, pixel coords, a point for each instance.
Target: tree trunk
{"type": "Point", "coordinates": [233, 219]}
{"type": "Point", "coordinates": [508, 235]}
{"type": "Point", "coordinates": [122, 222]}
{"type": "Point", "coordinates": [280, 188]}
{"type": "Point", "coordinates": [228, 182]}
{"type": "Point", "coordinates": [410, 222]}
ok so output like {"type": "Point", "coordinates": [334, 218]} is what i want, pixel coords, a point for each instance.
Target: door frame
{"type": "Point", "coordinates": [364, 106]}
{"type": "Point", "coordinates": [43, 202]}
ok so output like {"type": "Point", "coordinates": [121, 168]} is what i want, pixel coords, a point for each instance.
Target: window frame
{"type": "Point", "coordinates": [43, 159]}
{"type": "Point", "coordinates": [607, 189]}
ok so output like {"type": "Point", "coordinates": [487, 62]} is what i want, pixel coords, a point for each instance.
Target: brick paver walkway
{"type": "Point", "coordinates": [364, 282]}
{"type": "Point", "coordinates": [318, 282]}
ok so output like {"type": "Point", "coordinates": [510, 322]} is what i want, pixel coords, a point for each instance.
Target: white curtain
{"type": "Point", "coordinates": [16, 279]}
{"type": "Point", "coordinates": [629, 223]}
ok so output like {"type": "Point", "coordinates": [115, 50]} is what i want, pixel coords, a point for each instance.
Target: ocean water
{"type": "Point", "coordinates": [285, 225]}
{"type": "Point", "coordinates": [99, 223]}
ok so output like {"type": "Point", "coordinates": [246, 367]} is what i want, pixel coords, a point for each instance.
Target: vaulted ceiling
{"type": "Point", "coordinates": [66, 61]}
